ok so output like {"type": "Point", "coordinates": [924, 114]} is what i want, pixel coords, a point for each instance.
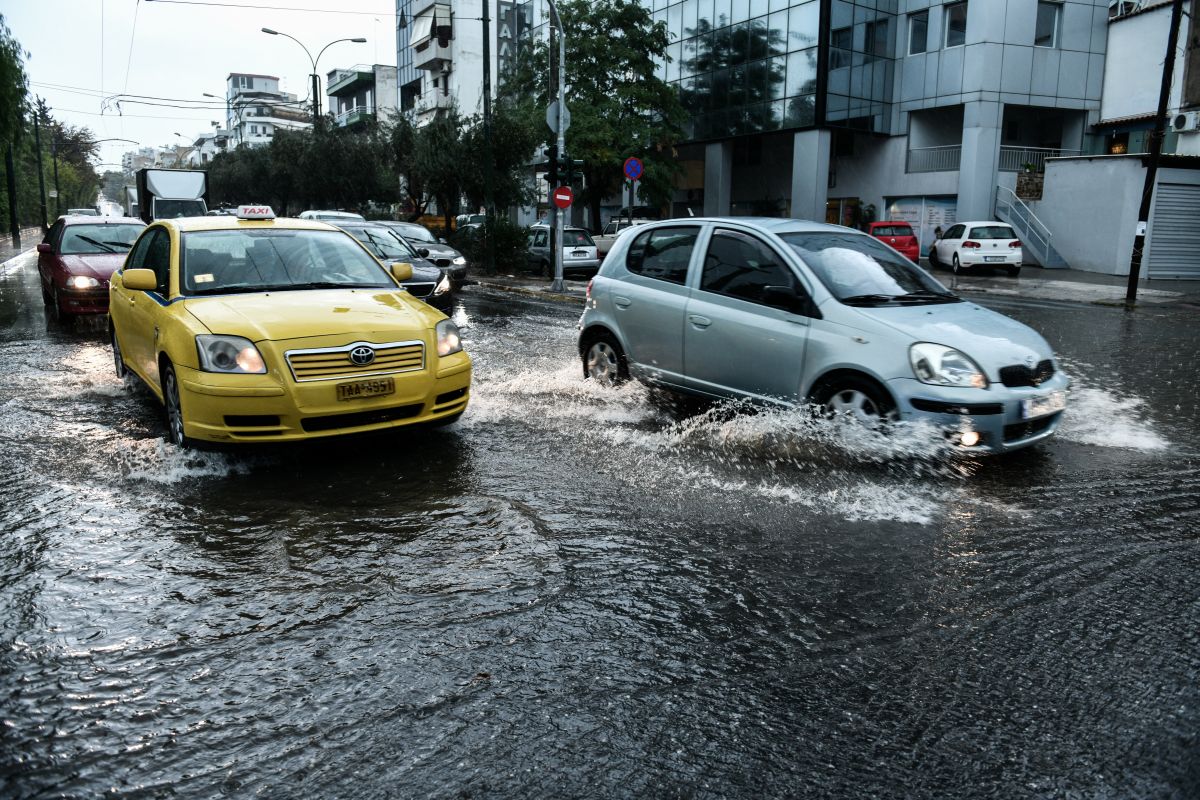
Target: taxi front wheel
{"type": "Point", "coordinates": [118, 359]}
{"type": "Point", "coordinates": [174, 410]}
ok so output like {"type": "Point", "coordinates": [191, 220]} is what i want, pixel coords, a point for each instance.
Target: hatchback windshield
{"type": "Point", "coordinates": [254, 260]}
{"type": "Point", "coordinates": [992, 232]}
{"type": "Point", "coordinates": [859, 269]}
{"type": "Point", "coordinates": [577, 238]}
{"type": "Point", "coordinates": [91, 239]}
{"type": "Point", "coordinates": [385, 244]}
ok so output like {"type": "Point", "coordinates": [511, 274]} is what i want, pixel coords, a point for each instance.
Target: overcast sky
{"type": "Point", "coordinates": [81, 51]}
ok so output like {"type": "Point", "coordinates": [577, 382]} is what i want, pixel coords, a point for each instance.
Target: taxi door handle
{"type": "Point", "coordinates": [699, 321]}
{"type": "Point", "coordinates": [622, 302]}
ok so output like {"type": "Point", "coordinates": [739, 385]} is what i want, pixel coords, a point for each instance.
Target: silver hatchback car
{"type": "Point", "coordinates": [792, 312]}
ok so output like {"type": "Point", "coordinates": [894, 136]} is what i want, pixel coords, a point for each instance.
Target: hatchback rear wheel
{"type": "Point", "coordinates": [957, 267]}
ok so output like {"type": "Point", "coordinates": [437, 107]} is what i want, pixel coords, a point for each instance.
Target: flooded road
{"type": "Point", "coordinates": [588, 592]}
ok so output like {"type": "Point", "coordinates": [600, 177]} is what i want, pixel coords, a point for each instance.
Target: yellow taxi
{"type": "Point", "coordinates": [257, 329]}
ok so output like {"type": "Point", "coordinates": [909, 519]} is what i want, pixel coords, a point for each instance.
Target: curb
{"type": "Point", "coordinates": [528, 291]}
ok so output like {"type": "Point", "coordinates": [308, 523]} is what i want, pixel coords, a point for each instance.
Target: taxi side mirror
{"type": "Point", "coordinates": [44, 247]}
{"type": "Point", "coordinates": [402, 271]}
{"type": "Point", "coordinates": [139, 280]}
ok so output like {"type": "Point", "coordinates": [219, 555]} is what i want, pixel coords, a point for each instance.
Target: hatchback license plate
{"type": "Point", "coordinates": [372, 388]}
{"type": "Point", "coordinates": [1042, 405]}
{"type": "Point", "coordinates": [993, 258]}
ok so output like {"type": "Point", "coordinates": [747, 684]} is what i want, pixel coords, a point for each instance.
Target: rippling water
{"type": "Point", "coordinates": [580, 591]}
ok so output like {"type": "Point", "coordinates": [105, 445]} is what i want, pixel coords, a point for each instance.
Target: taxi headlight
{"type": "Point", "coordinates": [82, 282]}
{"type": "Point", "coordinates": [229, 354]}
{"type": "Point", "coordinates": [459, 262]}
{"type": "Point", "coordinates": [944, 366]}
{"type": "Point", "coordinates": [448, 340]}
{"type": "Point", "coordinates": [443, 285]}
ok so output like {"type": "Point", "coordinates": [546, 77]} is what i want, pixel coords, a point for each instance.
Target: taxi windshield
{"type": "Point", "coordinates": [259, 259]}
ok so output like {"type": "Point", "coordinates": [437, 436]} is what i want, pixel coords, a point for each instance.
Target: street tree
{"type": "Point", "coordinates": [619, 106]}
{"type": "Point", "coordinates": [516, 133]}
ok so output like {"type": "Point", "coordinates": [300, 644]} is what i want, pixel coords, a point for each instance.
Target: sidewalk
{"type": "Point", "coordinates": [29, 240]}
{"type": "Point", "coordinates": [1069, 285]}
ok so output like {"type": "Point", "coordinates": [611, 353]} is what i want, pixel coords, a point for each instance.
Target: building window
{"type": "Point", "coordinates": [1048, 16]}
{"type": "Point", "coordinates": [956, 24]}
{"type": "Point", "coordinates": [840, 42]}
{"type": "Point", "coordinates": [876, 39]}
{"type": "Point", "coordinates": [918, 32]}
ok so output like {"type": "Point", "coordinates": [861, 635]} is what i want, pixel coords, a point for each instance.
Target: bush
{"type": "Point", "coordinates": [509, 240]}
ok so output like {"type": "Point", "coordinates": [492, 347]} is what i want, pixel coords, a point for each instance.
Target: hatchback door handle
{"type": "Point", "coordinates": [699, 321]}
{"type": "Point", "coordinates": [622, 302]}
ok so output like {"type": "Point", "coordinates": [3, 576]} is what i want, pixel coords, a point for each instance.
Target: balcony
{"type": "Point", "coordinates": [934, 159]}
{"type": "Point", "coordinates": [431, 102]}
{"type": "Point", "coordinates": [353, 116]}
{"type": "Point", "coordinates": [346, 81]}
{"type": "Point", "coordinates": [1016, 159]}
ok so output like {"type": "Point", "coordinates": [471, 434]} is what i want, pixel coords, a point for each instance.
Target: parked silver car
{"type": "Point", "coordinates": [792, 312]}
{"type": "Point", "coordinates": [578, 252]}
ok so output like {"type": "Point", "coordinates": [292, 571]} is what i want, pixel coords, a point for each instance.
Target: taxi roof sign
{"type": "Point", "coordinates": [255, 212]}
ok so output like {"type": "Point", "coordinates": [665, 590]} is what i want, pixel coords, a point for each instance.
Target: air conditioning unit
{"type": "Point", "coordinates": [1186, 121]}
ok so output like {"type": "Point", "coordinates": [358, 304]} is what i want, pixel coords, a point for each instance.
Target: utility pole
{"type": "Point", "coordinates": [560, 142]}
{"type": "Point", "coordinates": [13, 225]}
{"type": "Point", "coordinates": [1156, 141]}
{"type": "Point", "coordinates": [37, 141]}
{"type": "Point", "coordinates": [488, 202]}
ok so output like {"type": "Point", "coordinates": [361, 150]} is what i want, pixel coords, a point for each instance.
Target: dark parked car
{"type": "Point", "coordinates": [428, 282]}
{"type": "Point", "coordinates": [78, 256]}
{"type": "Point", "coordinates": [435, 250]}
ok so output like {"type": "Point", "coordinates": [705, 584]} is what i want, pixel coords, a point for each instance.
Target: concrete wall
{"type": "Point", "coordinates": [1090, 205]}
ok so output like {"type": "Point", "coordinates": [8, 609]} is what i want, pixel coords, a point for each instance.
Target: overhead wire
{"type": "Point", "coordinates": [259, 7]}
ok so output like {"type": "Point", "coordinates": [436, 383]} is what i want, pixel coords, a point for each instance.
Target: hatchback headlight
{"type": "Point", "coordinates": [82, 282]}
{"type": "Point", "coordinates": [945, 366]}
{"type": "Point", "coordinates": [229, 354]}
{"type": "Point", "coordinates": [459, 262]}
{"type": "Point", "coordinates": [448, 339]}
{"type": "Point", "coordinates": [443, 286]}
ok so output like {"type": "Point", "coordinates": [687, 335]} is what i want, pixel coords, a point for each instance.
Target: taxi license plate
{"type": "Point", "coordinates": [375, 387]}
{"type": "Point", "coordinates": [993, 258]}
{"type": "Point", "coordinates": [1042, 405]}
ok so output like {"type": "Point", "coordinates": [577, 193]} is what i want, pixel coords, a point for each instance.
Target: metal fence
{"type": "Point", "coordinates": [934, 159]}
{"type": "Point", "coordinates": [1015, 159]}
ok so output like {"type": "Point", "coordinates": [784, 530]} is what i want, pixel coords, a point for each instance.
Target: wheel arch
{"type": "Point", "coordinates": [838, 373]}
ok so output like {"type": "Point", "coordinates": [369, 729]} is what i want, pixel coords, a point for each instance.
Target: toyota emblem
{"type": "Point", "coordinates": [362, 355]}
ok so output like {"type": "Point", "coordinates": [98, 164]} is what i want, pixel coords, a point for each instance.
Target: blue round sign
{"type": "Point", "coordinates": [633, 168]}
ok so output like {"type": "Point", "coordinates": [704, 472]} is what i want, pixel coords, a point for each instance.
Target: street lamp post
{"type": "Point", "coordinates": [316, 95]}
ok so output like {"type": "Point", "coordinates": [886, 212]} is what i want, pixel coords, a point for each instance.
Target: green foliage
{"type": "Point", "coordinates": [619, 106]}
{"type": "Point", "coordinates": [14, 86]}
{"type": "Point", "coordinates": [509, 239]}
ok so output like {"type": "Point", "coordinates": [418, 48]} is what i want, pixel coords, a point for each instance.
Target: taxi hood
{"type": "Point", "coordinates": [283, 315]}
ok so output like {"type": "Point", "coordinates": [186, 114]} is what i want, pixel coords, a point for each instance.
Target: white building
{"type": "Point", "coordinates": [256, 109]}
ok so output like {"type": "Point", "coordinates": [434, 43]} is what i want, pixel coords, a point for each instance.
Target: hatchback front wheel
{"type": "Point", "coordinates": [855, 400]}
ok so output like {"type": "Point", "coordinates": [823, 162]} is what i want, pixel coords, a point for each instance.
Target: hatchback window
{"type": "Point", "coordinates": [662, 253]}
{"type": "Point", "coordinates": [577, 238]}
{"type": "Point", "coordinates": [854, 265]}
{"type": "Point", "coordinates": [253, 260]}
{"type": "Point", "coordinates": [992, 232]}
{"type": "Point", "coordinates": [89, 239]}
{"type": "Point", "coordinates": [741, 266]}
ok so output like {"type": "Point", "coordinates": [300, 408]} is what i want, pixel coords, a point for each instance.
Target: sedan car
{"type": "Point", "coordinates": [578, 252]}
{"type": "Point", "coordinates": [255, 329]}
{"type": "Point", "coordinates": [428, 282]}
{"type": "Point", "coordinates": [791, 312]}
{"type": "Point", "coordinates": [77, 258]}
{"type": "Point", "coordinates": [974, 244]}
{"type": "Point", "coordinates": [432, 249]}
{"type": "Point", "coordinates": [898, 235]}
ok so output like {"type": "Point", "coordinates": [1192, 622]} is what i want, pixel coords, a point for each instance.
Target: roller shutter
{"type": "Point", "coordinates": [1173, 246]}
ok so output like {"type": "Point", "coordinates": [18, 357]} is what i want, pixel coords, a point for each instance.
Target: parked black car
{"type": "Point", "coordinates": [432, 248]}
{"type": "Point", "coordinates": [429, 283]}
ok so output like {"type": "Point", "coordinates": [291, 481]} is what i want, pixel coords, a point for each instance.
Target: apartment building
{"type": "Point", "coordinates": [255, 109]}
{"type": "Point", "coordinates": [361, 93]}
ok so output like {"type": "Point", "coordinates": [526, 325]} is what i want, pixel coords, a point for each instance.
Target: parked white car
{"type": "Point", "coordinates": [978, 244]}
{"type": "Point", "coordinates": [607, 237]}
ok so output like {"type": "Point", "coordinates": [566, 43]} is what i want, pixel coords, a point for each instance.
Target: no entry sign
{"type": "Point", "coordinates": [562, 196]}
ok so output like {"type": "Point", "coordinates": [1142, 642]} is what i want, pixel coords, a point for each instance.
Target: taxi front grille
{"type": "Point", "coordinates": [328, 363]}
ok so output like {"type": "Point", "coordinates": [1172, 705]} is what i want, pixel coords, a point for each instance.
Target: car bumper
{"type": "Point", "coordinates": [86, 302]}
{"type": "Point", "coordinates": [996, 413]}
{"type": "Point", "coordinates": [580, 265]}
{"type": "Point", "coordinates": [971, 259]}
{"type": "Point", "coordinates": [236, 409]}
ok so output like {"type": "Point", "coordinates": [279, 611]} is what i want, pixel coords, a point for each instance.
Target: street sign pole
{"type": "Point", "coordinates": [558, 285]}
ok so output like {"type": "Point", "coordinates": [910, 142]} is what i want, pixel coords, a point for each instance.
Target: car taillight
{"type": "Point", "coordinates": [1015, 244]}
{"type": "Point", "coordinates": [972, 245]}
{"type": "Point", "coordinates": [588, 294]}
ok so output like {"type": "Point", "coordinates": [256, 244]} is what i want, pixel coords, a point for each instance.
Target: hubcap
{"type": "Point", "coordinates": [853, 404]}
{"type": "Point", "coordinates": [602, 363]}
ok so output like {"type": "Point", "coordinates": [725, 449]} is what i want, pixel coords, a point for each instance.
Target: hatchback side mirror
{"type": "Point", "coordinates": [44, 247]}
{"type": "Point", "coordinates": [402, 271]}
{"type": "Point", "coordinates": [788, 299]}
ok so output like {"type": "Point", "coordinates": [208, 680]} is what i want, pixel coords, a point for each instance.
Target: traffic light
{"type": "Point", "coordinates": [571, 170]}
{"type": "Point", "coordinates": [552, 173]}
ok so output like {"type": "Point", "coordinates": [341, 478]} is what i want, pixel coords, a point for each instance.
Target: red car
{"type": "Point", "coordinates": [898, 235]}
{"type": "Point", "coordinates": [78, 256]}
